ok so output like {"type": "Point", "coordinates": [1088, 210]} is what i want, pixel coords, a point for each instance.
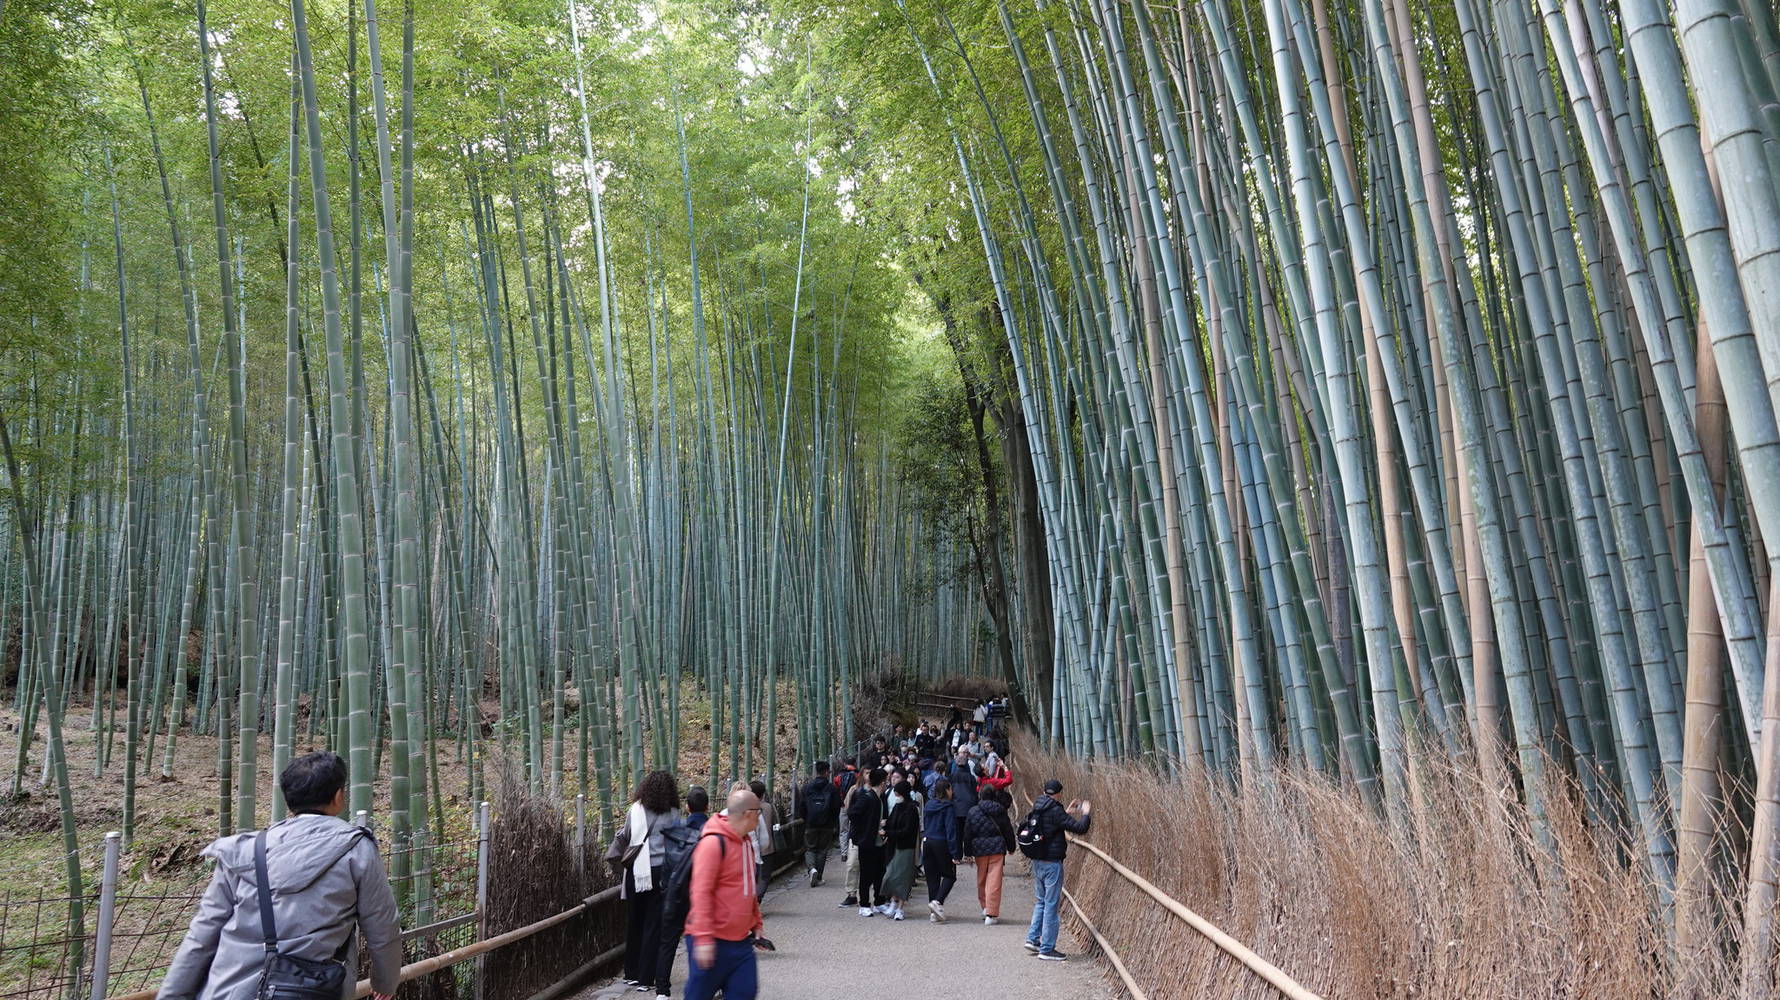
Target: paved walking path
{"type": "Point", "coordinates": [827, 953]}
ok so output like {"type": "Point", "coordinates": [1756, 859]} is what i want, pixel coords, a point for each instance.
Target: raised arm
{"type": "Point", "coordinates": [1076, 824]}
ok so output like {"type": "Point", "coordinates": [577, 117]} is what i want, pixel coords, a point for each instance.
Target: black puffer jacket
{"type": "Point", "coordinates": [1053, 820]}
{"type": "Point", "coordinates": [987, 830]}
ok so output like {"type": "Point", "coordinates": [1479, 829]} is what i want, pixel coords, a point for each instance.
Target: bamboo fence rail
{"type": "Point", "coordinates": [1286, 985]}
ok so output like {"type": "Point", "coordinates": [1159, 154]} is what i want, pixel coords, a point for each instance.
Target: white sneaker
{"type": "Point", "coordinates": [940, 908]}
{"type": "Point", "coordinates": [933, 918]}
{"type": "Point", "coordinates": [886, 908]}
{"type": "Point", "coordinates": [866, 911]}
{"type": "Point", "coordinates": [933, 912]}
{"type": "Point", "coordinates": [990, 921]}
{"type": "Point", "coordinates": [896, 914]}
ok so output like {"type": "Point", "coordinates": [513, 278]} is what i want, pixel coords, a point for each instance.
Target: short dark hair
{"type": "Point", "coordinates": [311, 781]}
{"type": "Point", "coordinates": [877, 776]}
{"type": "Point", "coordinates": [697, 800]}
{"type": "Point", "coordinates": [758, 787]}
{"type": "Point", "coordinates": [821, 767]}
{"type": "Point", "coordinates": [942, 789]}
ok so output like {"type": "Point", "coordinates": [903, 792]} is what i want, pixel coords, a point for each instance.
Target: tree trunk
{"type": "Point", "coordinates": [1031, 558]}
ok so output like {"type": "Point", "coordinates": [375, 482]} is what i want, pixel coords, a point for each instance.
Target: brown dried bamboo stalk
{"type": "Point", "coordinates": [1106, 949]}
{"type": "Point", "coordinates": [1286, 985]}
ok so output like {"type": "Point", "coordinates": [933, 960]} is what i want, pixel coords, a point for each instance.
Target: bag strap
{"type": "Point", "coordinates": [263, 889]}
{"type": "Point", "coordinates": [722, 847]}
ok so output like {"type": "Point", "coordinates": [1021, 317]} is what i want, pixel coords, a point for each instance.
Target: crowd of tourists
{"type": "Point", "coordinates": [913, 807]}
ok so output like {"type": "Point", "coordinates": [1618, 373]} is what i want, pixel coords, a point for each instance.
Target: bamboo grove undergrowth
{"type": "Point", "coordinates": [558, 424]}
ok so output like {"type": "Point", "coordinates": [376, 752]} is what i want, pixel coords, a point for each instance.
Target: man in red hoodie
{"type": "Point", "coordinates": [725, 909]}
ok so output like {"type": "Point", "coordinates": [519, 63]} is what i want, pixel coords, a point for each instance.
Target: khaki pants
{"type": "Point", "coordinates": [852, 869]}
{"type": "Point", "coordinates": [989, 868]}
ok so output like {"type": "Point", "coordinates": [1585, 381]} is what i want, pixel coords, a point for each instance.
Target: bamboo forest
{"type": "Point", "coordinates": [1306, 405]}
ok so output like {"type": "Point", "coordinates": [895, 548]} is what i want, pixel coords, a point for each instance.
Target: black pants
{"type": "Point", "coordinates": [642, 930]}
{"type": "Point", "coordinates": [872, 859]}
{"type": "Point", "coordinates": [664, 962]}
{"type": "Point", "coordinates": [942, 873]}
{"type": "Point", "coordinates": [818, 841]}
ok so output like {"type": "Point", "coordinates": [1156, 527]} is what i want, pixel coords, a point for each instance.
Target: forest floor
{"type": "Point", "coordinates": [176, 814]}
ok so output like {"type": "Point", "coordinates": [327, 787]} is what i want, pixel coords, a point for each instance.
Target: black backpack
{"type": "Point", "coordinates": [820, 807]}
{"type": "Point", "coordinates": [676, 901]}
{"type": "Point", "coordinates": [1030, 836]}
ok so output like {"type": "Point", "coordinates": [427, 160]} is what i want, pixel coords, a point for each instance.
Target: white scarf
{"type": "Point", "coordinates": [641, 873]}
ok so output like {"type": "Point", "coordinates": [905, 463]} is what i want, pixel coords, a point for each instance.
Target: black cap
{"type": "Point", "coordinates": [1053, 786]}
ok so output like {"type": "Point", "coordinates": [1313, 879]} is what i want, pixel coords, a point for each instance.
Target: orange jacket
{"type": "Point", "coordinates": [724, 904]}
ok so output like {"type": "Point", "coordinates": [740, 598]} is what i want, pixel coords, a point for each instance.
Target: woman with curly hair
{"type": "Point", "coordinates": [653, 808]}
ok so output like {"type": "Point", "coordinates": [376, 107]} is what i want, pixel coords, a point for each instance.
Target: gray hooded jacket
{"type": "Point", "coordinates": [327, 880]}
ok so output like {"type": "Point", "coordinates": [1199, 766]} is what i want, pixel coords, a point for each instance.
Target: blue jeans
{"type": "Point", "coordinates": [1047, 893]}
{"type": "Point", "coordinates": [732, 971]}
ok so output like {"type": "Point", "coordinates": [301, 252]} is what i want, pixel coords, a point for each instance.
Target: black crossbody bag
{"type": "Point", "coordinates": [290, 977]}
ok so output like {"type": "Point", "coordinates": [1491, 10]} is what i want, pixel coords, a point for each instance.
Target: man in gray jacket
{"type": "Point", "coordinates": [327, 883]}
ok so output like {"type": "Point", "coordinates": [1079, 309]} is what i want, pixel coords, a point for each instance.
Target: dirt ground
{"type": "Point", "coordinates": [176, 816]}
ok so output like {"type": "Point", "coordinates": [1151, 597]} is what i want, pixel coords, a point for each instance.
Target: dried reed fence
{"type": "Point", "coordinates": [1460, 903]}
{"type": "Point", "coordinates": [537, 870]}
